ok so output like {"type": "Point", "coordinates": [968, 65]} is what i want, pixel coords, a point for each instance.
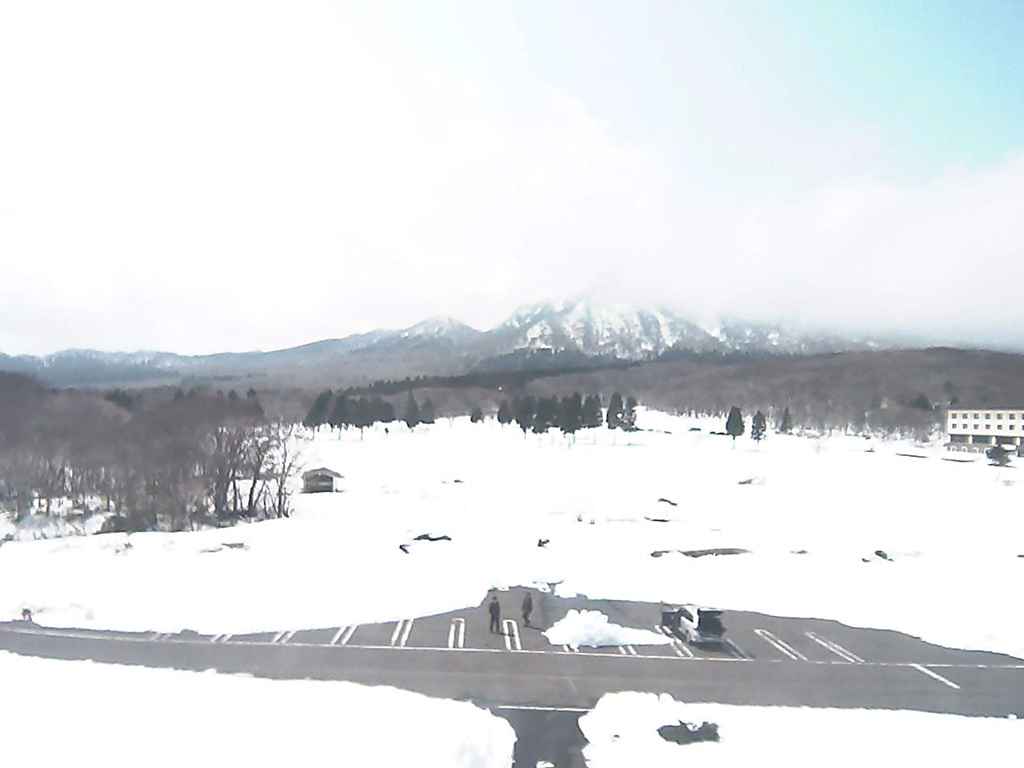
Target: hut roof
{"type": "Point", "coordinates": [321, 471]}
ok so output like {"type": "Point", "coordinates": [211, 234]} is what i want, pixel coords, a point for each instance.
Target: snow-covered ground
{"type": "Point", "coordinates": [622, 732]}
{"type": "Point", "coordinates": [80, 713]}
{"type": "Point", "coordinates": [811, 511]}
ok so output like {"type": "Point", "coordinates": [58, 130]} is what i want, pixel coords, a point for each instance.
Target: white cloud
{"type": "Point", "coordinates": [202, 176]}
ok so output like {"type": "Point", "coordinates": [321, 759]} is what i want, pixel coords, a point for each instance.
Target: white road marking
{"type": "Point", "coordinates": [567, 649]}
{"type": "Point", "coordinates": [631, 650]}
{"type": "Point", "coordinates": [681, 650]}
{"type": "Point", "coordinates": [337, 635]}
{"type": "Point", "coordinates": [348, 634]}
{"type": "Point", "coordinates": [512, 641]}
{"type": "Point", "coordinates": [543, 709]}
{"type": "Point", "coordinates": [457, 633]}
{"type": "Point", "coordinates": [405, 633]}
{"type": "Point", "coordinates": [284, 637]}
{"type": "Point", "coordinates": [780, 645]}
{"type": "Point", "coordinates": [220, 638]}
{"type": "Point", "coordinates": [834, 647]}
{"type": "Point", "coordinates": [737, 650]}
{"type": "Point", "coordinates": [279, 636]}
{"type": "Point", "coordinates": [400, 632]}
{"type": "Point", "coordinates": [936, 676]}
{"type": "Point", "coordinates": [622, 650]}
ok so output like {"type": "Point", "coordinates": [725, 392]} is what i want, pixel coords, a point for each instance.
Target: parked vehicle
{"type": "Point", "coordinates": [699, 626]}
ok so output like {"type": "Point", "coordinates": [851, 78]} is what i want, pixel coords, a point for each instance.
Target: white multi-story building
{"type": "Point", "coordinates": [978, 429]}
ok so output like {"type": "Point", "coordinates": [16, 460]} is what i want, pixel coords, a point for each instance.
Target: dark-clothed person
{"type": "Point", "coordinates": [527, 609]}
{"type": "Point", "coordinates": [495, 610]}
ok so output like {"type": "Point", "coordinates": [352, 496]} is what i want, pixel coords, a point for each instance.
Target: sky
{"type": "Point", "coordinates": [212, 176]}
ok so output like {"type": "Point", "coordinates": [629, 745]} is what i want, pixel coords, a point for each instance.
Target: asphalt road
{"type": "Point", "coordinates": [519, 675]}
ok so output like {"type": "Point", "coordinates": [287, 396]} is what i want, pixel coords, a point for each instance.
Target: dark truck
{"type": "Point", "coordinates": [699, 626]}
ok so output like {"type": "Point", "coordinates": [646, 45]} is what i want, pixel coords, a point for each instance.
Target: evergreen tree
{"type": "Point", "coordinates": [616, 412]}
{"type": "Point", "coordinates": [318, 413]}
{"type": "Point", "coordinates": [786, 425]}
{"type": "Point", "coordinates": [121, 399]}
{"type": "Point", "coordinates": [571, 418]}
{"type": "Point", "coordinates": [524, 414]}
{"type": "Point", "coordinates": [734, 424]}
{"type": "Point", "coordinates": [381, 410]}
{"type": "Point", "coordinates": [629, 415]}
{"type": "Point", "coordinates": [546, 415]}
{"type": "Point", "coordinates": [998, 456]}
{"type": "Point", "coordinates": [592, 416]}
{"type": "Point", "coordinates": [477, 415]}
{"type": "Point", "coordinates": [504, 413]}
{"type": "Point", "coordinates": [341, 414]}
{"type": "Point", "coordinates": [758, 427]}
{"type": "Point", "coordinates": [427, 412]}
{"type": "Point", "coordinates": [412, 416]}
{"type": "Point", "coordinates": [362, 415]}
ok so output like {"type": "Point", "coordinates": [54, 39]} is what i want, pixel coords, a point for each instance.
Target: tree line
{"type": "Point", "coordinates": [196, 459]}
{"type": "Point", "coordinates": [532, 414]}
{"type": "Point", "coordinates": [342, 411]}
{"type": "Point", "coordinates": [568, 414]}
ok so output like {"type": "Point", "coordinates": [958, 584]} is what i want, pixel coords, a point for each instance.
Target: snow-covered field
{"type": "Point", "coordinates": [810, 511]}
{"type": "Point", "coordinates": [622, 732]}
{"type": "Point", "coordinates": [80, 713]}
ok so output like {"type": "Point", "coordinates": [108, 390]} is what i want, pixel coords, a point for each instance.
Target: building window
{"type": "Point", "coordinates": [1011, 417]}
{"type": "Point", "coordinates": [1000, 426]}
{"type": "Point", "coordinates": [977, 415]}
{"type": "Point", "coordinates": [999, 416]}
{"type": "Point", "coordinates": [988, 415]}
{"type": "Point", "coordinates": [1012, 427]}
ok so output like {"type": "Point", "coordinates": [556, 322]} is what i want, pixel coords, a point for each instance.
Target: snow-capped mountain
{"type": "Point", "coordinates": [616, 330]}
{"type": "Point", "coordinates": [612, 330]}
{"type": "Point", "coordinates": [580, 329]}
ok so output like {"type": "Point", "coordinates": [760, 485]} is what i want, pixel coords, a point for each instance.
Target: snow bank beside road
{"type": "Point", "coordinates": [75, 713]}
{"type": "Point", "coordinates": [592, 628]}
{"type": "Point", "coordinates": [623, 733]}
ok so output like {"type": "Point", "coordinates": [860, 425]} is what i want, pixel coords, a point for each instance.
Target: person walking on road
{"type": "Point", "coordinates": [527, 609]}
{"type": "Point", "coordinates": [495, 610]}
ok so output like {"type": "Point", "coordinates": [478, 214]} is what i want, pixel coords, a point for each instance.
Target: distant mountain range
{"type": "Point", "coordinates": [574, 332]}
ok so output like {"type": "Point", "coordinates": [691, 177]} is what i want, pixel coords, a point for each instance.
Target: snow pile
{"type": "Point", "coordinates": [623, 733]}
{"type": "Point", "coordinates": [118, 714]}
{"type": "Point", "coordinates": [41, 526]}
{"type": "Point", "coordinates": [592, 628]}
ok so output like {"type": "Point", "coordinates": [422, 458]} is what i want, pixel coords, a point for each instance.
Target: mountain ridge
{"type": "Point", "coordinates": [575, 327]}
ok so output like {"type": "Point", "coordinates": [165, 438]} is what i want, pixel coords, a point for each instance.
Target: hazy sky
{"type": "Point", "coordinates": [204, 176]}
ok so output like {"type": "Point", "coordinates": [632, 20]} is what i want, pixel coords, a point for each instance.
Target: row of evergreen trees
{"type": "Point", "coordinates": [531, 414]}
{"type": "Point", "coordinates": [343, 411]}
{"type": "Point", "coordinates": [734, 425]}
{"type": "Point", "coordinates": [569, 414]}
